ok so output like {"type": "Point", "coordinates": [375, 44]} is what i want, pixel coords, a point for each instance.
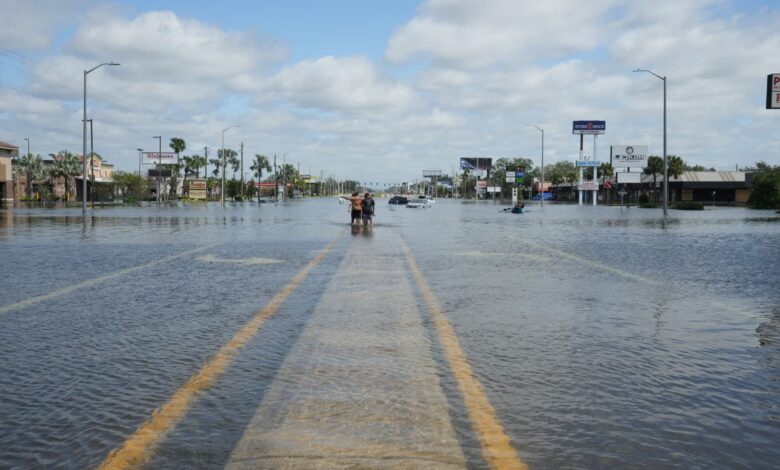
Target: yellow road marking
{"type": "Point", "coordinates": [496, 446]}
{"type": "Point", "coordinates": [94, 281]}
{"type": "Point", "coordinates": [136, 449]}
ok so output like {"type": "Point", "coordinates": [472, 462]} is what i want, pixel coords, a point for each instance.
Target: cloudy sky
{"type": "Point", "coordinates": [378, 91]}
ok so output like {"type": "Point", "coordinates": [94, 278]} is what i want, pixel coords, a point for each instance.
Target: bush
{"type": "Point", "coordinates": [649, 205]}
{"type": "Point", "coordinates": [688, 206]}
{"type": "Point", "coordinates": [643, 199]}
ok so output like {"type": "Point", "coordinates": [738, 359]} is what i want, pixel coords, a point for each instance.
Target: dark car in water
{"type": "Point", "coordinates": [400, 200]}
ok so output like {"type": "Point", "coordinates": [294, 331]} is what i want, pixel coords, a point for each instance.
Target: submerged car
{"type": "Point", "coordinates": [400, 200]}
{"type": "Point", "coordinates": [421, 201]}
{"type": "Point", "coordinates": [538, 197]}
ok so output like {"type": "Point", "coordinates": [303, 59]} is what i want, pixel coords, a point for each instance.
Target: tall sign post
{"type": "Point", "coordinates": [593, 128]}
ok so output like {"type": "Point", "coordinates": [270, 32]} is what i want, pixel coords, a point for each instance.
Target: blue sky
{"type": "Point", "coordinates": [404, 85]}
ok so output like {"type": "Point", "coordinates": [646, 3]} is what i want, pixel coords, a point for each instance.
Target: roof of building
{"type": "Point", "coordinates": [6, 145]}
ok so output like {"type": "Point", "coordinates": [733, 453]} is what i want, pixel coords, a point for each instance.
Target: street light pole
{"type": "Point", "coordinates": [84, 134]}
{"type": "Point", "coordinates": [541, 199]}
{"type": "Point", "coordinates": [140, 153]}
{"type": "Point", "coordinates": [159, 164]}
{"type": "Point", "coordinates": [224, 163]}
{"type": "Point", "coordinates": [28, 146]}
{"type": "Point", "coordinates": [666, 166]}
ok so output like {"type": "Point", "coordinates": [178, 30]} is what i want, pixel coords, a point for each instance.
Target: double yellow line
{"type": "Point", "coordinates": [135, 450]}
{"type": "Point", "coordinates": [497, 449]}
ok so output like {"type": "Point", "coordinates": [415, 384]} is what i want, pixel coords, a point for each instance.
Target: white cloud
{"type": "Point", "coordinates": [341, 84]}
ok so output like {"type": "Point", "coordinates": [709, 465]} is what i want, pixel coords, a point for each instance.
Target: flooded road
{"type": "Point", "coordinates": [277, 335]}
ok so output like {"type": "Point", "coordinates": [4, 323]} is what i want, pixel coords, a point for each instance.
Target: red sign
{"type": "Point", "coordinates": [608, 184]}
{"type": "Point", "coordinates": [265, 184]}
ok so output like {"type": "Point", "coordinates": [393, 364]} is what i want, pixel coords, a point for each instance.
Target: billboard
{"type": "Point", "coordinates": [476, 163]}
{"type": "Point", "coordinates": [626, 156]}
{"type": "Point", "coordinates": [152, 158]}
{"type": "Point", "coordinates": [589, 127]}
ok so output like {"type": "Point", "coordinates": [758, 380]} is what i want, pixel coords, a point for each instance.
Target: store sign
{"type": "Point", "coordinates": [197, 185]}
{"type": "Point", "coordinates": [773, 91]}
{"type": "Point", "coordinates": [589, 127]}
{"type": "Point", "coordinates": [628, 177]}
{"type": "Point", "coordinates": [588, 186]}
{"type": "Point", "coordinates": [588, 163]}
{"type": "Point", "coordinates": [199, 194]}
{"type": "Point", "coordinates": [626, 156]}
{"type": "Point", "coordinates": [150, 158]}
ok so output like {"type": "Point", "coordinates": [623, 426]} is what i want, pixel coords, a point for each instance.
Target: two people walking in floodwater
{"type": "Point", "coordinates": [361, 208]}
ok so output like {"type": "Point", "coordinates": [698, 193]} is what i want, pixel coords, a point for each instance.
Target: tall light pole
{"type": "Point", "coordinates": [224, 163]}
{"type": "Point", "coordinates": [159, 164]}
{"type": "Point", "coordinates": [140, 154]}
{"type": "Point", "coordinates": [84, 153]}
{"type": "Point", "coordinates": [28, 146]}
{"type": "Point", "coordinates": [666, 166]}
{"type": "Point", "coordinates": [541, 199]}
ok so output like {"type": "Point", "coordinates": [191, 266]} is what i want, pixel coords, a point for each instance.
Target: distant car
{"type": "Point", "coordinates": [400, 200]}
{"type": "Point", "coordinates": [538, 197]}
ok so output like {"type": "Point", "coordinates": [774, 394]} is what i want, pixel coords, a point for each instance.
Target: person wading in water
{"type": "Point", "coordinates": [368, 209]}
{"type": "Point", "coordinates": [356, 207]}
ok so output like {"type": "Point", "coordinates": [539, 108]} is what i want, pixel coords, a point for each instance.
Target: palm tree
{"type": "Point", "coordinates": [259, 164]}
{"type": "Point", "coordinates": [675, 167]}
{"type": "Point", "coordinates": [655, 165]}
{"type": "Point", "coordinates": [67, 166]}
{"type": "Point", "coordinates": [217, 163]}
{"type": "Point", "coordinates": [33, 168]}
{"type": "Point", "coordinates": [177, 145]}
{"type": "Point", "coordinates": [606, 170]}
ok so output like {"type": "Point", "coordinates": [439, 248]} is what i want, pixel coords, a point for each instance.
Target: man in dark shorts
{"type": "Point", "coordinates": [368, 209]}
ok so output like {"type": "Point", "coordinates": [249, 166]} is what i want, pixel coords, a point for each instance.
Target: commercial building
{"type": "Point", "coordinates": [8, 153]}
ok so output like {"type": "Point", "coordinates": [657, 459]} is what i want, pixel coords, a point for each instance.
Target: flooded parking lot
{"type": "Point", "coordinates": [599, 337]}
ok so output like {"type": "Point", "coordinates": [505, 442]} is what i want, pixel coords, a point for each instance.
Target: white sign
{"type": "Point", "coordinates": [588, 186]}
{"type": "Point", "coordinates": [628, 177]}
{"type": "Point", "coordinates": [494, 189]}
{"type": "Point", "coordinates": [629, 156]}
{"type": "Point", "coordinates": [151, 158]}
{"type": "Point", "coordinates": [510, 177]}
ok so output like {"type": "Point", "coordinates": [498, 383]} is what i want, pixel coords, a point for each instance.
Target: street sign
{"type": "Point", "coordinates": [773, 91]}
{"type": "Point", "coordinates": [588, 163]}
{"type": "Point", "coordinates": [627, 156]}
{"type": "Point", "coordinates": [628, 177]}
{"type": "Point", "coordinates": [510, 177]}
{"type": "Point", "coordinates": [589, 127]}
{"type": "Point", "coordinates": [588, 186]}
{"type": "Point", "coordinates": [607, 184]}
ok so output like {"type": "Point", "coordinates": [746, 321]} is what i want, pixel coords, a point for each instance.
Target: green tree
{"type": "Point", "coordinates": [66, 166]}
{"type": "Point", "coordinates": [259, 164]}
{"type": "Point", "coordinates": [33, 169]}
{"type": "Point", "coordinates": [676, 166]}
{"type": "Point", "coordinates": [177, 145]}
{"type": "Point", "coordinates": [766, 188]}
{"type": "Point", "coordinates": [129, 185]}
{"type": "Point", "coordinates": [606, 171]}
{"type": "Point", "coordinates": [655, 166]}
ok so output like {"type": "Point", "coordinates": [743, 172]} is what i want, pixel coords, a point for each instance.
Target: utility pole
{"type": "Point", "coordinates": [159, 163]}
{"type": "Point", "coordinates": [91, 166]}
{"type": "Point", "coordinates": [242, 171]}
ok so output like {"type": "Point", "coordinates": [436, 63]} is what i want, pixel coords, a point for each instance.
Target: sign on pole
{"type": "Point", "coordinates": [589, 127]}
{"type": "Point", "coordinates": [627, 156]}
{"type": "Point", "coordinates": [773, 91]}
{"type": "Point", "coordinates": [588, 163]}
{"type": "Point", "coordinates": [510, 177]}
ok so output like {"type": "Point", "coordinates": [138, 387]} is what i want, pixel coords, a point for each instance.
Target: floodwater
{"type": "Point", "coordinates": [602, 337]}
